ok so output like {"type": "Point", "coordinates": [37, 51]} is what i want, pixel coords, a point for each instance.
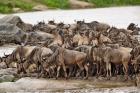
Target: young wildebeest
{"type": "Point", "coordinates": [66, 58]}
{"type": "Point", "coordinates": [37, 56]}
{"type": "Point", "coordinates": [19, 55]}
{"type": "Point", "coordinates": [117, 56]}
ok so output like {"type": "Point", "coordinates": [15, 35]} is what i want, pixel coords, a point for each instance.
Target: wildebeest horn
{"type": "Point", "coordinates": [84, 20]}
{"type": "Point", "coordinates": [5, 55]}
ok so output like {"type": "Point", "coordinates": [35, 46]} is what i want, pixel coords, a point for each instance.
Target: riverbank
{"type": "Point", "coordinates": [12, 6]}
{"type": "Point", "coordinates": [51, 85]}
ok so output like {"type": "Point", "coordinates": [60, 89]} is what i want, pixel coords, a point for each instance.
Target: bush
{"type": "Point", "coordinates": [62, 4]}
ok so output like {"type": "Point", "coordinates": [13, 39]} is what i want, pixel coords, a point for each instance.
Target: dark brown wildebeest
{"type": "Point", "coordinates": [65, 58]}
{"type": "Point", "coordinates": [19, 55]}
{"type": "Point", "coordinates": [109, 55]}
{"type": "Point", "coordinates": [57, 38]}
{"type": "Point", "coordinates": [135, 52]}
{"type": "Point", "coordinates": [37, 56]}
{"type": "Point", "coordinates": [136, 63]}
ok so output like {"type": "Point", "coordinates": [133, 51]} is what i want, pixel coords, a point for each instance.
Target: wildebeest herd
{"type": "Point", "coordinates": [76, 50]}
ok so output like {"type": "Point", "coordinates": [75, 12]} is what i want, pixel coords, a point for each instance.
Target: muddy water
{"type": "Point", "coordinates": [7, 49]}
{"type": "Point", "coordinates": [116, 16]}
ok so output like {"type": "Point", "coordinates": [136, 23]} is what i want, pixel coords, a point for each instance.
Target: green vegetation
{"type": "Point", "coordinates": [62, 4]}
{"type": "Point", "coordinates": [6, 6]}
{"type": "Point", "coordinates": [109, 3]}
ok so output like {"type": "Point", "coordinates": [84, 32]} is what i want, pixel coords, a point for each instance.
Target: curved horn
{"type": "Point", "coordinates": [84, 20]}
{"type": "Point", "coordinates": [5, 54]}
{"type": "Point", "coordinates": [69, 25]}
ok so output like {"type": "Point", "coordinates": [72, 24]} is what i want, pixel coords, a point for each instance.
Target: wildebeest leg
{"type": "Point", "coordinates": [107, 69]}
{"type": "Point", "coordinates": [110, 70]}
{"type": "Point", "coordinates": [58, 72]}
{"type": "Point", "coordinates": [86, 68]}
{"type": "Point", "coordinates": [42, 70]}
{"type": "Point", "coordinates": [38, 69]}
{"type": "Point", "coordinates": [70, 71]}
{"type": "Point", "coordinates": [135, 69]}
{"type": "Point", "coordinates": [97, 69]}
{"type": "Point", "coordinates": [23, 68]}
{"type": "Point", "coordinates": [65, 72]}
{"type": "Point", "coordinates": [18, 68]}
{"type": "Point", "coordinates": [81, 69]}
{"type": "Point", "coordinates": [125, 64]}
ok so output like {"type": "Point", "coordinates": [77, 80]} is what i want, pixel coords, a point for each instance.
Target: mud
{"type": "Point", "coordinates": [32, 85]}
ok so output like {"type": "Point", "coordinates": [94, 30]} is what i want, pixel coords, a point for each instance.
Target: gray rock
{"type": "Point", "coordinates": [8, 71]}
{"type": "Point", "coordinates": [11, 19]}
{"type": "Point", "coordinates": [7, 78]}
{"type": "Point", "coordinates": [17, 10]}
{"type": "Point", "coordinates": [9, 33]}
{"type": "Point", "coordinates": [3, 65]}
{"type": "Point", "coordinates": [16, 20]}
{"type": "Point", "coordinates": [40, 8]}
{"type": "Point", "coordinates": [76, 4]}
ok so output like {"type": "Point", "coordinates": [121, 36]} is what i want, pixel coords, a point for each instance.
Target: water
{"type": "Point", "coordinates": [6, 49]}
{"type": "Point", "coordinates": [116, 16]}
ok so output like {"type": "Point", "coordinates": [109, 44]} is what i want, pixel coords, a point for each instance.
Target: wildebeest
{"type": "Point", "coordinates": [19, 55]}
{"type": "Point", "coordinates": [109, 55]}
{"type": "Point", "coordinates": [37, 56]}
{"type": "Point", "coordinates": [75, 48]}
{"type": "Point", "coordinates": [64, 57]}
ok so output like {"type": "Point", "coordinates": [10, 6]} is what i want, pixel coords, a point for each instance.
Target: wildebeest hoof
{"type": "Point", "coordinates": [66, 78]}
{"type": "Point", "coordinates": [85, 78]}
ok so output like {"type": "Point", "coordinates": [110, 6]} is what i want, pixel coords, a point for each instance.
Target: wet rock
{"type": "Point", "coordinates": [11, 19]}
{"type": "Point", "coordinates": [8, 71]}
{"type": "Point", "coordinates": [17, 10]}
{"type": "Point", "coordinates": [9, 33]}
{"type": "Point", "coordinates": [15, 20]}
{"type": "Point", "coordinates": [75, 4]}
{"type": "Point", "coordinates": [3, 65]}
{"type": "Point", "coordinates": [40, 8]}
{"type": "Point", "coordinates": [7, 78]}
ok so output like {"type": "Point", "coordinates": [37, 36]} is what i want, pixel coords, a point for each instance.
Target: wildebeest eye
{"type": "Point", "coordinates": [44, 58]}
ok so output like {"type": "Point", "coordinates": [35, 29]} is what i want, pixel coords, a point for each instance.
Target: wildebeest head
{"type": "Point", "coordinates": [131, 26]}
{"type": "Point", "coordinates": [61, 24]}
{"type": "Point", "coordinates": [51, 22]}
{"type": "Point", "coordinates": [6, 59]}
